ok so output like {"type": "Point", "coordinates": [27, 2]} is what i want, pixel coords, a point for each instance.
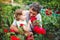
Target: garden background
{"type": "Point", "coordinates": [50, 22]}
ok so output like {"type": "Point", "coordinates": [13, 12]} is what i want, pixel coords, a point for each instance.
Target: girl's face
{"type": "Point", "coordinates": [23, 16]}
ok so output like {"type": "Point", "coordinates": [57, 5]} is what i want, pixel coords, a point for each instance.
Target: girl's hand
{"type": "Point", "coordinates": [25, 28]}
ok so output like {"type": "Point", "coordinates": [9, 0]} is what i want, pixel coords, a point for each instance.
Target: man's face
{"type": "Point", "coordinates": [32, 13]}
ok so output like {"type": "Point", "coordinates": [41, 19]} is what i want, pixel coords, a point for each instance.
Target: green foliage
{"type": "Point", "coordinates": [6, 18]}
{"type": "Point", "coordinates": [51, 24]}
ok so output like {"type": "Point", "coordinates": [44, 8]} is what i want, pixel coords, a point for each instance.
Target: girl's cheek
{"type": "Point", "coordinates": [24, 17]}
{"type": "Point", "coordinates": [20, 17]}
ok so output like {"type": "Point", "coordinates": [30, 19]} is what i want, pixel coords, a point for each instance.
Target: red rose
{"type": "Point", "coordinates": [14, 37]}
{"type": "Point", "coordinates": [29, 38]}
{"type": "Point", "coordinates": [11, 30]}
{"type": "Point", "coordinates": [36, 29]}
{"type": "Point", "coordinates": [5, 30]}
{"type": "Point", "coordinates": [33, 18]}
{"type": "Point", "coordinates": [21, 24]}
{"type": "Point", "coordinates": [39, 30]}
{"type": "Point", "coordinates": [58, 12]}
{"type": "Point", "coordinates": [42, 30]}
{"type": "Point", "coordinates": [48, 12]}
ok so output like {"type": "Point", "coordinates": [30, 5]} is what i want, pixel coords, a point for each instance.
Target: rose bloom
{"type": "Point", "coordinates": [48, 11]}
{"type": "Point", "coordinates": [29, 38]}
{"type": "Point", "coordinates": [39, 30]}
{"type": "Point", "coordinates": [11, 30]}
{"type": "Point", "coordinates": [58, 12]}
{"type": "Point", "coordinates": [42, 31]}
{"type": "Point", "coordinates": [21, 24]}
{"type": "Point", "coordinates": [14, 38]}
{"type": "Point", "coordinates": [5, 30]}
{"type": "Point", "coordinates": [33, 18]}
{"type": "Point", "coordinates": [36, 29]}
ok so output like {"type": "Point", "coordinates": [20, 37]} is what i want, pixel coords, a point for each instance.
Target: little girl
{"type": "Point", "coordinates": [20, 18]}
